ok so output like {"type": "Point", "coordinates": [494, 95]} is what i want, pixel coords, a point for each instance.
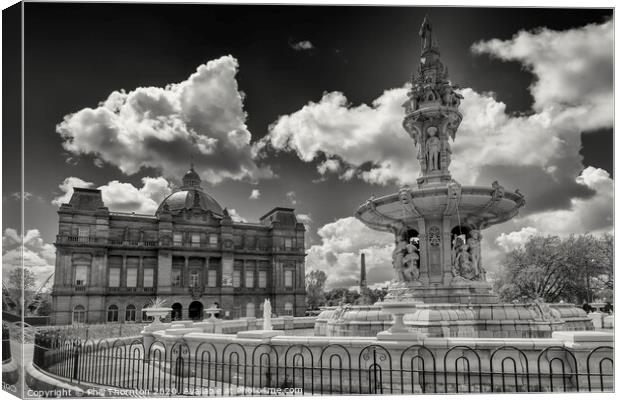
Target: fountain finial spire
{"type": "Point", "coordinates": [431, 111]}
{"type": "Point", "coordinates": [428, 42]}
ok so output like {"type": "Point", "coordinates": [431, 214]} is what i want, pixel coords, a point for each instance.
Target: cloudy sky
{"type": "Point", "coordinates": [301, 107]}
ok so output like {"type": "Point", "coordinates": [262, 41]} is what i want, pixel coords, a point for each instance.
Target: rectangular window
{"type": "Point", "coordinates": [81, 275]}
{"type": "Point", "coordinates": [288, 244]}
{"type": "Point", "coordinates": [262, 279]}
{"type": "Point", "coordinates": [288, 278]}
{"type": "Point", "coordinates": [212, 278]}
{"type": "Point", "coordinates": [114, 278]}
{"type": "Point", "coordinates": [236, 278]}
{"type": "Point", "coordinates": [132, 277]}
{"type": "Point", "coordinates": [178, 239]}
{"type": "Point", "coordinates": [249, 279]}
{"type": "Point", "coordinates": [148, 277]}
{"type": "Point", "coordinates": [176, 277]}
{"type": "Point", "coordinates": [83, 233]}
{"type": "Point", "coordinates": [213, 239]}
{"type": "Point", "coordinates": [195, 239]}
{"type": "Point", "coordinates": [194, 279]}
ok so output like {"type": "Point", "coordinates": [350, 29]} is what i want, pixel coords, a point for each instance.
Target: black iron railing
{"type": "Point", "coordinates": [6, 343]}
{"type": "Point", "coordinates": [334, 369]}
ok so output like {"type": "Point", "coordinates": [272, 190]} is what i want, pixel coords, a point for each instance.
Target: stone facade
{"type": "Point", "coordinates": [110, 265]}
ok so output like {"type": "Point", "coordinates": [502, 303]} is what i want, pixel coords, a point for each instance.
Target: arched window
{"type": "Point", "coordinates": [288, 308]}
{"type": "Point", "coordinates": [250, 310]}
{"type": "Point", "coordinates": [79, 314]}
{"type": "Point", "coordinates": [130, 313]}
{"type": "Point", "coordinates": [112, 313]}
{"type": "Point", "coordinates": [177, 312]}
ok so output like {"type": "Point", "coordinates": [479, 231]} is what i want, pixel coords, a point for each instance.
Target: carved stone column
{"type": "Point", "coordinates": [124, 272]}
{"type": "Point", "coordinates": [447, 251]}
{"type": "Point", "coordinates": [423, 243]}
{"type": "Point", "coordinates": [185, 274]}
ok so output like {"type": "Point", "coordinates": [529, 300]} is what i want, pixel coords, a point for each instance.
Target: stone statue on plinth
{"type": "Point", "coordinates": [433, 149]}
{"type": "Point", "coordinates": [466, 262]}
{"type": "Point", "coordinates": [405, 260]}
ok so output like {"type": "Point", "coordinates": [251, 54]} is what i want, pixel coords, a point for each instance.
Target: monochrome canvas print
{"type": "Point", "coordinates": [299, 200]}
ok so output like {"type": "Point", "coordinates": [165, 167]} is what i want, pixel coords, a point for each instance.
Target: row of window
{"type": "Point", "coordinates": [177, 239]}
{"type": "Point", "coordinates": [79, 312]}
{"type": "Point", "coordinates": [114, 277]}
{"type": "Point", "coordinates": [194, 278]}
{"type": "Point", "coordinates": [194, 238]}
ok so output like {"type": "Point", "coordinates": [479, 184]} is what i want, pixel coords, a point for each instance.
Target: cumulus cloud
{"type": "Point", "coordinates": [38, 256]}
{"type": "Point", "coordinates": [513, 240]}
{"type": "Point", "coordinates": [255, 194]}
{"type": "Point", "coordinates": [573, 69]}
{"type": "Point", "coordinates": [235, 216]}
{"type": "Point", "coordinates": [160, 127]}
{"type": "Point", "coordinates": [123, 197]}
{"type": "Point", "coordinates": [348, 137]}
{"type": "Point", "coordinates": [338, 253]}
{"type": "Point", "coordinates": [593, 215]}
{"type": "Point", "coordinates": [303, 45]}
{"type": "Point", "coordinates": [305, 219]}
{"type": "Point", "coordinates": [291, 197]}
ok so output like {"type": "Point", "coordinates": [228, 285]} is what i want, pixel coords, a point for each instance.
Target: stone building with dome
{"type": "Point", "coordinates": [110, 265]}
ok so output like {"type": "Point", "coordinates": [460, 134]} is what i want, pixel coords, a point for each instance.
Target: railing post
{"type": "Point", "coordinates": [76, 362]}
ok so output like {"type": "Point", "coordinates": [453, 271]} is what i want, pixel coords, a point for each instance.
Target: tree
{"type": "Point", "coordinates": [21, 282]}
{"type": "Point", "coordinates": [371, 296]}
{"type": "Point", "coordinates": [573, 269]}
{"type": "Point", "coordinates": [341, 295]}
{"type": "Point", "coordinates": [315, 289]}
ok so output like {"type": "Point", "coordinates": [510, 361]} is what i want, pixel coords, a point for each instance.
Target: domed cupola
{"type": "Point", "coordinates": [191, 196]}
{"type": "Point", "coordinates": [191, 179]}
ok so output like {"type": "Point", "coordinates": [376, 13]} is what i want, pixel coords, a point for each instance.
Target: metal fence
{"type": "Point", "coordinates": [6, 343]}
{"type": "Point", "coordinates": [334, 369]}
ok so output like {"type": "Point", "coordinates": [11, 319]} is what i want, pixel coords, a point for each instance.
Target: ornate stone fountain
{"type": "Point", "coordinates": [440, 284]}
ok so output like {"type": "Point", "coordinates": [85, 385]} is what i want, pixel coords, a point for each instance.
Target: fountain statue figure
{"type": "Point", "coordinates": [267, 316]}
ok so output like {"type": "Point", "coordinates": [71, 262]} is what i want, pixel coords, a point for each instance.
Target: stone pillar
{"type": "Point", "coordinates": [164, 271]}
{"type": "Point", "coordinates": [447, 250]}
{"type": "Point", "coordinates": [423, 242]}
{"type": "Point", "coordinates": [185, 273]}
{"type": "Point", "coordinates": [98, 270]}
{"type": "Point", "coordinates": [140, 277]}
{"type": "Point", "coordinates": [123, 282]}
{"type": "Point", "coordinates": [227, 299]}
{"type": "Point", "coordinates": [205, 273]}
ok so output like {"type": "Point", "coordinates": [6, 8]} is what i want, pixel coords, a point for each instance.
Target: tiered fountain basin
{"type": "Point", "coordinates": [474, 205]}
{"type": "Point", "coordinates": [456, 320]}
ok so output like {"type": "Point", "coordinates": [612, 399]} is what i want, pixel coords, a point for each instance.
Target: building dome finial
{"type": "Point", "coordinates": [191, 179]}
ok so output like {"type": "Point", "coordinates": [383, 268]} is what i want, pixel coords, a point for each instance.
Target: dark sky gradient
{"type": "Point", "coordinates": [77, 54]}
